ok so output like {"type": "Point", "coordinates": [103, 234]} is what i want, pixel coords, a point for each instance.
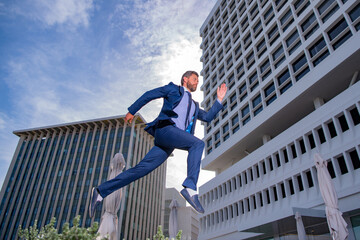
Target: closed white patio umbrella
{"type": "Point", "coordinates": [173, 221]}
{"type": "Point", "coordinates": [109, 220]}
{"type": "Point", "coordinates": [336, 222]}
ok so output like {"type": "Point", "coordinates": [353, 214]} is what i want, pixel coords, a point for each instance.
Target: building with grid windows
{"type": "Point", "coordinates": [291, 68]}
{"type": "Point", "coordinates": [186, 217]}
{"type": "Point", "coordinates": [54, 169]}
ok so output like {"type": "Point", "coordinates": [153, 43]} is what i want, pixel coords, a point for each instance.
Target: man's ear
{"type": "Point", "coordinates": [185, 81]}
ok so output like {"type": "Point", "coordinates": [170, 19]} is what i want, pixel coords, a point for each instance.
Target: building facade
{"type": "Point", "coordinates": [187, 217]}
{"type": "Point", "coordinates": [54, 169]}
{"type": "Point", "coordinates": [292, 71]}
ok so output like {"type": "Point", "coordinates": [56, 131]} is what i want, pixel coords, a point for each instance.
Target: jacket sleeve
{"type": "Point", "coordinates": [210, 115]}
{"type": "Point", "coordinates": [147, 97]}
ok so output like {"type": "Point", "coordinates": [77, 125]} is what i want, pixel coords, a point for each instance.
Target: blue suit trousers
{"type": "Point", "coordinates": [166, 140]}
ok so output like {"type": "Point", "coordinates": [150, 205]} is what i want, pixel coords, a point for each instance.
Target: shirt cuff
{"type": "Point", "coordinates": [218, 101]}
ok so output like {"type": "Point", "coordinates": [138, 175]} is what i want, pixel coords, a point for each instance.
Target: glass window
{"type": "Point", "coordinates": [355, 223]}
{"type": "Point", "coordinates": [256, 101]}
{"type": "Point", "coordinates": [283, 77]}
{"type": "Point", "coordinates": [343, 39]}
{"type": "Point", "coordinates": [269, 89]}
{"type": "Point", "coordinates": [322, 8]}
{"type": "Point", "coordinates": [290, 40]}
{"type": "Point", "coordinates": [257, 27]}
{"type": "Point", "coordinates": [273, 31]}
{"type": "Point", "coordinates": [265, 66]}
{"type": "Point", "coordinates": [268, 14]}
{"type": "Point", "coordinates": [355, 13]}
{"type": "Point", "coordinates": [242, 88]}
{"type": "Point", "coordinates": [320, 44]}
{"type": "Point", "coordinates": [299, 63]}
{"type": "Point", "coordinates": [225, 128]}
{"type": "Point", "coordinates": [253, 78]}
{"type": "Point", "coordinates": [306, 24]}
{"type": "Point", "coordinates": [235, 120]}
{"type": "Point", "coordinates": [250, 57]}
{"type": "Point", "coordinates": [217, 135]}
{"type": "Point", "coordinates": [233, 98]}
{"type": "Point", "coordinates": [277, 53]}
{"type": "Point", "coordinates": [240, 68]}
{"type": "Point", "coordinates": [320, 58]}
{"type": "Point", "coordinates": [260, 45]}
{"type": "Point", "coordinates": [337, 29]}
{"type": "Point", "coordinates": [298, 4]}
{"type": "Point", "coordinates": [209, 142]}
{"type": "Point", "coordinates": [245, 111]}
{"type": "Point", "coordinates": [284, 18]}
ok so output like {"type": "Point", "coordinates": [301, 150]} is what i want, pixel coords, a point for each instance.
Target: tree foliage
{"type": "Point", "coordinates": [49, 231]}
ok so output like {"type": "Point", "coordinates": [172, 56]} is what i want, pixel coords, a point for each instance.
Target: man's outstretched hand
{"type": "Point", "coordinates": [129, 117]}
{"type": "Point", "coordinates": [221, 92]}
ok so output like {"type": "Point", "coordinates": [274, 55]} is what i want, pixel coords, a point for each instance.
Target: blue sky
{"type": "Point", "coordinates": [70, 60]}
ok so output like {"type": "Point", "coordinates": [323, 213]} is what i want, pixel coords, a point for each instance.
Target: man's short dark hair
{"type": "Point", "coordinates": [188, 74]}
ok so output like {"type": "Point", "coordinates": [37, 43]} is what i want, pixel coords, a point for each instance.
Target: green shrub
{"type": "Point", "coordinates": [49, 231]}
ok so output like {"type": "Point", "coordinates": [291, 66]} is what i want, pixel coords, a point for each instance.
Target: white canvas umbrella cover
{"type": "Point", "coordinates": [173, 221]}
{"type": "Point", "coordinates": [109, 220]}
{"type": "Point", "coordinates": [300, 227]}
{"type": "Point", "coordinates": [336, 222]}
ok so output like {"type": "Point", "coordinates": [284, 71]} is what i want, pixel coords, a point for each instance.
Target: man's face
{"type": "Point", "coordinates": [191, 82]}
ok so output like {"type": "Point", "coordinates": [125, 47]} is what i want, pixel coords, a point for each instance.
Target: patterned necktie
{"type": "Point", "coordinates": [188, 110]}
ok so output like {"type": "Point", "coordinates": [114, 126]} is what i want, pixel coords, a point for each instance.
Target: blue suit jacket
{"type": "Point", "coordinates": [172, 95]}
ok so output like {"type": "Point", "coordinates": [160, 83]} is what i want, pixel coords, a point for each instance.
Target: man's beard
{"type": "Point", "coordinates": [191, 87]}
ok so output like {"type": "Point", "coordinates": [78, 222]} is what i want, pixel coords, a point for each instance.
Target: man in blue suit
{"type": "Point", "coordinates": [173, 128]}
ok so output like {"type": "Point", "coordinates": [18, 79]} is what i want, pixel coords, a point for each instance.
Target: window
{"type": "Point", "coordinates": [306, 26]}
{"type": "Point", "coordinates": [261, 47]}
{"type": "Point", "coordinates": [235, 120]}
{"type": "Point", "coordinates": [265, 66]}
{"type": "Point", "coordinates": [269, 96]}
{"type": "Point", "coordinates": [283, 77]}
{"type": "Point", "coordinates": [355, 116]}
{"type": "Point", "coordinates": [250, 59]}
{"type": "Point", "coordinates": [236, 35]}
{"type": "Point", "coordinates": [278, 56]}
{"type": "Point", "coordinates": [256, 101]}
{"type": "Point", "coordinates": [337, 30]}
{"type": "Point", "coordinates": [247, 40]}
{"type": "Point", "coordinates": [273, 34]}
{"type": "Point", "coordinates": [240, 68]}
{"type": "Point", "coordinates": [217, 135]}
{"type": "Point", "coordinates": [225, 128]}
{"type": "Point", "coordinates": [245, 111]}
{"type": "Point", "coordinates": [299, 63]}
{"type": "Point", "coordinates": [253, 81]}
{"type": "Point", "coordinates": [286, 20]}
{"type": "Point", "coordinates": [327, 9]}
{"type": "Point", "coordinates": [269, 15]}
{"type": "Point", "coordinates": [355, 14]}
{"type": "Point", "coordinates": [283, 80]}
{"type": "Point", "coordinates": [300, 6]}
{"type": "Point", "coordinates": [317, 47]}
{"type": "Point", "coordinates": [355, 159]}
{"type": "Point", "coordinates": [257, 28]}
{"type": "Point", "coordinates": [293, 42]}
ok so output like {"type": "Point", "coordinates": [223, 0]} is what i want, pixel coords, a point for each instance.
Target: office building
{"type": "Point", "coordinates": [54, 169]}
{"type": "Point", "coordinates": [292, 71]}
{"type": "Point", "coordinates": [187, 218]}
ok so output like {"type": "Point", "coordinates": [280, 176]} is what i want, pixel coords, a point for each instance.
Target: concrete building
{"type": "Point", "coordinates": [54, 169]}
{"type": "Point", "coordinates": [292, 70]}
{"type": "Point", "coordinates": [188, 218]}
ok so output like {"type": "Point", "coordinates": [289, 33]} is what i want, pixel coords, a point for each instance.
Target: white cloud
{"type": "Point", "coordinates": [69, 12]}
